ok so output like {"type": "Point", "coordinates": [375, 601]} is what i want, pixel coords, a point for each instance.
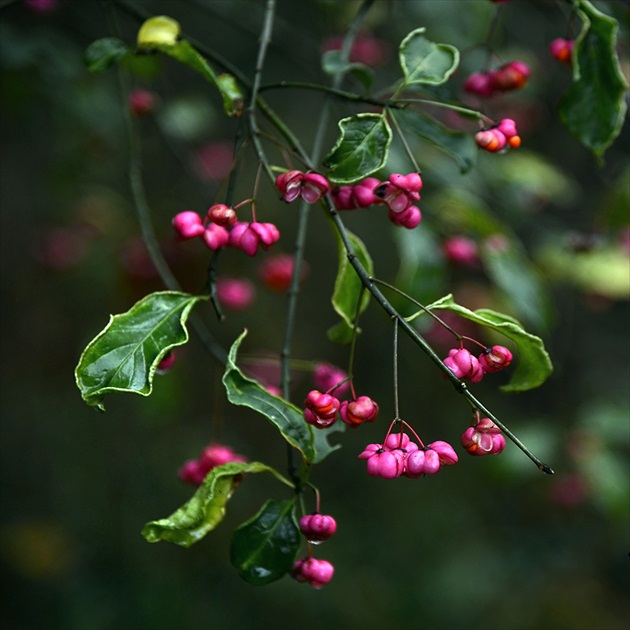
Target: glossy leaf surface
{"type": "Point", "coordinates": [533, 365]}
{"type": "Point", "coordinates": [360, 150]}
{"type": "Point", "coordinates": [593, 109]}
{"type": "Point", "coordinates": [123, 357]}
{"type": "Point", "coordinates": [206, 509]}
{"type": "Point", "coordinates": [423, 61]}
{"type": "Point", "coordinates": [348, 289]}
{"type": "Point", "coordinates": [263, 548]}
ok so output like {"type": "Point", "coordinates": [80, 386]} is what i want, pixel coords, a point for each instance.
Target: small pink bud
{"type": "Point", "coordinates": [363, 192]}
{"type": "Point", "coordinates": [290, 184]}
{"type": "Point", "coordinates": [217, 455]}
{"type": "Point", "coordinates": [187, 225]}
{"type": "Point", "coordinates": [507, 127]}
{"type": "Point", "coordinates": [235, 294]}
{"type": "Point", "coordinates": [141, 102]}
{"type": "Point", "coordinates": [562, 49]}
{"type": "Point", "coordinates": [510, 76]}
{"type": "Point", "coordinates": [314, 187]}
{"type": "Point", "coordinates": [192, 472]}
{"type": "Point", "coordinates": [317, 527]}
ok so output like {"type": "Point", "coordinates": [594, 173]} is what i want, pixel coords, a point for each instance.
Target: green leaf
{"type": "Point", "coordinates": [263, 548]}
{"type": "Point", "coordinates": [423, 61]}
{"type": "Point", "coordinates": [456, 144]}
{"type": "Point", "coordinates": [124, 355]}
{"type": "Point", "coordinates": [593, 109]}
{"type": "Point", "coordinates": [533, 365]}
{"type": "Point", "coordinates": [287, 418]}
{"type": "Point", "coordinates": [206, 509]}
{"type": "Point", "coordinates": [159, 29]}
{"type": "Point", "coordinates": [360, 150]}
{"type": "Point", "coordinates": [104, 53]}
{"type": "Point", "coordinates": [348, 288]}
{"type": "Point", "coordinates": [333, 64]}
{"type": "Point", "coordinates": [184, 52]}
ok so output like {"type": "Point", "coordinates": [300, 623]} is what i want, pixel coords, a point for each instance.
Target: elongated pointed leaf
{"type": "Point", "coordinates": [103, 53]}
{"type": "Point", "coordinates": [360, 150]}
{"type": "Point", "coordinates": [456, 144]}
{"type": "Point", "coordinates": [206, 509]}
{"type": "Point", "coordinates": [263, 548]}
{"type": "Point", "coordinates": [533, 365]}
{"type": "Point", "coordinates": [423, 61]}
{"type": "Point", "coordinates": [287, 418]}
{"type": "Point", "coordinates": [593, 109]}
{"type": "Point", "coordinates": [348, 288]}
{"type": "Point", "coordinates": [123, 357]}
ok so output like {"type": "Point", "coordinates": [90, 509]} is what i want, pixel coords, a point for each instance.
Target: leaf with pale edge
{"type": "Point", "coordinates": [348, 288]}
{"type": "Point", "coordinates": [361, 149]}
{"type": "Point", "coordinates": [206, 509]}
{"type": "Point", "coordinates": [263, 549]}
{"type": "Point", "coordinates": [423, 61]}
{"type": "Point", "coordinates": [104, 53]}
{"type": "Point", "coordinates": [533, 365]}
{"type": "Point", "coordinates": [184, 52]}
{"type": "Point", "coordinates": [287, 418]}
{"type": "Point", "coordinates": [456, 144]}
{"type": "Point", "coordinates": [593, 108]}
{"type": "Point", "coordinates": [123, 357]}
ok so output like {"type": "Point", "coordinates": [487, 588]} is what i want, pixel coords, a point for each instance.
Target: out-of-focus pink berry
{"type": "Point", "coordinates": [187, 225]}
{"type": "Point", "coordinates": [356, 412]}
{"type": "Point", "coordinates": [276, 272]}
{"type": "Point", "coordinates": [327, 377]}
{"type": "Point", "coordinates": [166, 363]}
{"type": "Point", "coordinates": [236, 294]}
{"type": "Point", "coordinates": [511, 76]}
{"type": "Point", "coordinates": [365, 49]}
{"type": "Point", "coordinates": [141, 102]}
{"type": "Point", "coordinates": [191, 472]}
{"type": "Point", "coordinates": [321, 409]}
{"type": "Point", "coordinates": [479, 83]}
{"type": "Point", "coordinates": [495, 359]}
{"type": "Point", "coordinates": [213, 162]}
{"type": "Point", "coordinates": [313, 571]}
{"type": "Point", "coordinates": [222, 215]}
{"type": "Point", "coordinates": [217, 455]}
{"type": "Point", "coordinates": [461, 250]}
{"type": "Point", "coordinates": [215, 236]}
{"type": "Point", "coordinates": [41, 6]}
{"type": "Point", "coordinates": [464, 365]}
{"type": "Point", "coordinates": [317, 527]}
{"type": "Point", "coordinates": [562, 49]}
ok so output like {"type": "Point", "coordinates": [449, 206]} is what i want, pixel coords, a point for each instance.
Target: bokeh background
{"type": "Point", "coordinates": [491, 543]}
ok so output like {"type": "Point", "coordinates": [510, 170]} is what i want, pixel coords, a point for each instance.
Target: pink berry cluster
{"type": "Point", "coordinates": [194, 471]}
{"type": "Point", "coordinates": [399, 193]}
{"type": "Point", "coordinates": [509, 76]}
{"type": "Point", "coordinates": [499, 137]}
{"type": "Point", "coordinates": [483, 438]}
{"type": "Point", "coordinates": [323, 409]}
{"type": "Point", "coordinates": [398, 456]}
{"type": "Point", "coordinates": [562, 49]}
{"type": "Point", "coordinates": [466, 366]}
{"type": "Point", "coordinates": [221, 227]}
{"type": "Point", "coordinates": [316, 528]}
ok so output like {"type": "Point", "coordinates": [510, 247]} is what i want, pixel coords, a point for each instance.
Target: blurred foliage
{"type": "Point", "coordinates": [490, 543]}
